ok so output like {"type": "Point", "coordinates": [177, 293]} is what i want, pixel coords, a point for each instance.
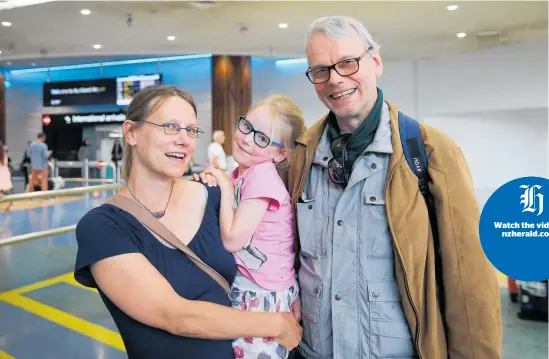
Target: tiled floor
{"type": "Point", "coordinates": [45, 314]}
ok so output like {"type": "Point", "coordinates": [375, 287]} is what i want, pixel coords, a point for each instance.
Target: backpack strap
{"type": "Point", "coordinates": [414, 151]}
{"type": "Point", "coordinates": [412, 144]}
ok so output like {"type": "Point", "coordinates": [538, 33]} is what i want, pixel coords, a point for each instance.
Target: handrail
{"type": "Point", "coordinates": [60, 192]}
{"type": "Point", "coordinates": [55, 193]}
{"type": "Point", "coordinates": [37, 235]}
{"type": "Point", "coordinates": [85, 167]}
{"type": "Point", "coordinates": [90, 180]}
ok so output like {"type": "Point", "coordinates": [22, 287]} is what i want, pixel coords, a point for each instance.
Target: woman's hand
{"type": "Point", "coordinates": [291, 331]}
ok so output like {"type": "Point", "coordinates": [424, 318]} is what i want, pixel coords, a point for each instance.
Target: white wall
{"type": "Point", "coordinates": [504, 78]}
{"type": "Point", "coordinates": [499, 145]}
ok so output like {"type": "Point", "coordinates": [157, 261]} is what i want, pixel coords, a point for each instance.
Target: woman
{"type": "Point", "coordinates": [163, 305]}
{"type": "Point", "coordinates": [5, 173]}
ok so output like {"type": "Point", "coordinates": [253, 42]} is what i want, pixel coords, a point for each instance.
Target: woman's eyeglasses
{"type": "Point", "coordinates": [336, 167]}
{"type": "Point", "coordinates": [174, 129]}
{"type": "Point", "coordinates": [260, 139]}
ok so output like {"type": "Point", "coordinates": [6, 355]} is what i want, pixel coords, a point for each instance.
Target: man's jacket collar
{"type": "Point", "coordinates": [311, 138]}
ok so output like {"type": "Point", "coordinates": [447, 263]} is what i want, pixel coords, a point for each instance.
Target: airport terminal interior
{"type": "Point", "coordinates": [475, 70]}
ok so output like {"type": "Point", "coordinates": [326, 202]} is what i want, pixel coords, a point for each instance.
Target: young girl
{"type": "Point", "coordinates": [256, 217]}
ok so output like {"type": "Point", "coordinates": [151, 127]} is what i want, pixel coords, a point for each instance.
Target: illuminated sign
{"type": "Point", "coordinates": [79, 93]}
{"type": "Point", "coordinates": [83, 119]}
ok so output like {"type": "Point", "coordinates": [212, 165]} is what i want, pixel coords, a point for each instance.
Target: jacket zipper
{"type": "Point", "coordinates": [301, 185]}
{"type": "Point", "coordinates": [414, 307]}
{"type": "Point", "coordinates": [404, 272]}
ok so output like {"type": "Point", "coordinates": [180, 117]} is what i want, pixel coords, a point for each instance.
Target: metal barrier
{"type": "Point", "coordinates": [85, 167]}
{"type": "Point", "coordinates": [60, 192]}
{"type": "Point", "coordinates": [48, 194]}
{"type": "Point", "coordinates": [54, 193]}
{"type": "Point", "coordinates": [36, 235]}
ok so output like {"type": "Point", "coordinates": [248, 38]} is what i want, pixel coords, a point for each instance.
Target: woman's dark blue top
{"type": "Point", "coordinates": [108, 231]}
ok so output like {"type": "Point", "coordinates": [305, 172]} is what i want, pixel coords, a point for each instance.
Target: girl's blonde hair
{"type": "Point", "coordinates": [289, 120]}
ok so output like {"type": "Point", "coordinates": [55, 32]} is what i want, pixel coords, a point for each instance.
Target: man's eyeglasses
{"type": "Point", "coordinates": [260, 139]}
{"type": "Point", "coordinates": [174, 129]}
{"type": "Point", "coordinates": [336, 167]}
{"type": "Point", "coordinates": [345, 67]}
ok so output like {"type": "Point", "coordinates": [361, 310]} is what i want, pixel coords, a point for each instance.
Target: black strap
{"type": "Point", "coordinates": [414, 151]}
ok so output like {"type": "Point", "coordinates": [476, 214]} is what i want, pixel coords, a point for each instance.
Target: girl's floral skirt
{"type": "Point", "coordinates": [246, 295]}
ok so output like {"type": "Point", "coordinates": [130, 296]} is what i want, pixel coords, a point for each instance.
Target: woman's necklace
{"type": "Point", "coordinates": [158, 214]}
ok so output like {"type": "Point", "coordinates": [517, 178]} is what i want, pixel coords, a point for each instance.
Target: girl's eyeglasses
{"type": "Point", "coordinates": [260, 139]}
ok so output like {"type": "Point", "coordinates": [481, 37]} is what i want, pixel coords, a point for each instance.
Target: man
{"type": "Point", "coordinates": [38, 154]}
{"type": "Point", "coordinates": [216, 154]}
{"type": "Point", "coordinates": [367, 259]}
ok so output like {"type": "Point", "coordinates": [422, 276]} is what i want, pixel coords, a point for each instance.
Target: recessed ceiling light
{"type": "Point", "coordinates": [283, 25]}
{"type": "Point", "coordinates": [0, 52]}
{"type": "Point", "coordinates": [97, 46]}
{"type": "Point", "coordinates": [85, 11]}
{"type": "Point", "coordinates": [6, 23]}
{"type": "Point", "coordinates": [452, 7]}
{"type": "Point", "coordinates": [461, 35]}
{"type": "Point", "coordinates": [171, 38]}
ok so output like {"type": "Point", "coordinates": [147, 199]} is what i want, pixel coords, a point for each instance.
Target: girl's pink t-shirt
{"type": "Point", "coordinates": [268, 257]}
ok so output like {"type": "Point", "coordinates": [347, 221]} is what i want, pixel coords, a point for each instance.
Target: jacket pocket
{"type": "Point", "coordinates": [375, 216]}
{"type": "Point", "coordinates": [390, 334]}
{"type": "Point", "coordinates": [308, 238]}
{"type": "Point", "coordinates": [311, 289]}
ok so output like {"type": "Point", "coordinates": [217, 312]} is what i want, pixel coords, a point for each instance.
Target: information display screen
{"type": "Point", "coordinates": [127, 87]}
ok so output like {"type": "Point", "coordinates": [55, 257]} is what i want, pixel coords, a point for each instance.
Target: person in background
{"type": "Point", "coordinates": [117, 151]}
{"type": "Point", "coordinates": [5, 173]}
{"type": "Point", "coordinates": [25, 163]}
{"type": "Point", "coordinates": [38, 153]}
{"type": "Point", "coordinates": [216, 154]}
{"type": "Point", "coordinates": [84, 152]}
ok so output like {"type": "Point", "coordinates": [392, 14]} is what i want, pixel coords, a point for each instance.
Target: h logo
{"type": "Point", "coordinates": [532, 199]}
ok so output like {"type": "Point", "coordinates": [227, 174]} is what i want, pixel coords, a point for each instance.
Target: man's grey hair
{"type": "Point", "coordinates": [340, 26]}
{"type": "Point", "coordinates": [217, 134]}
